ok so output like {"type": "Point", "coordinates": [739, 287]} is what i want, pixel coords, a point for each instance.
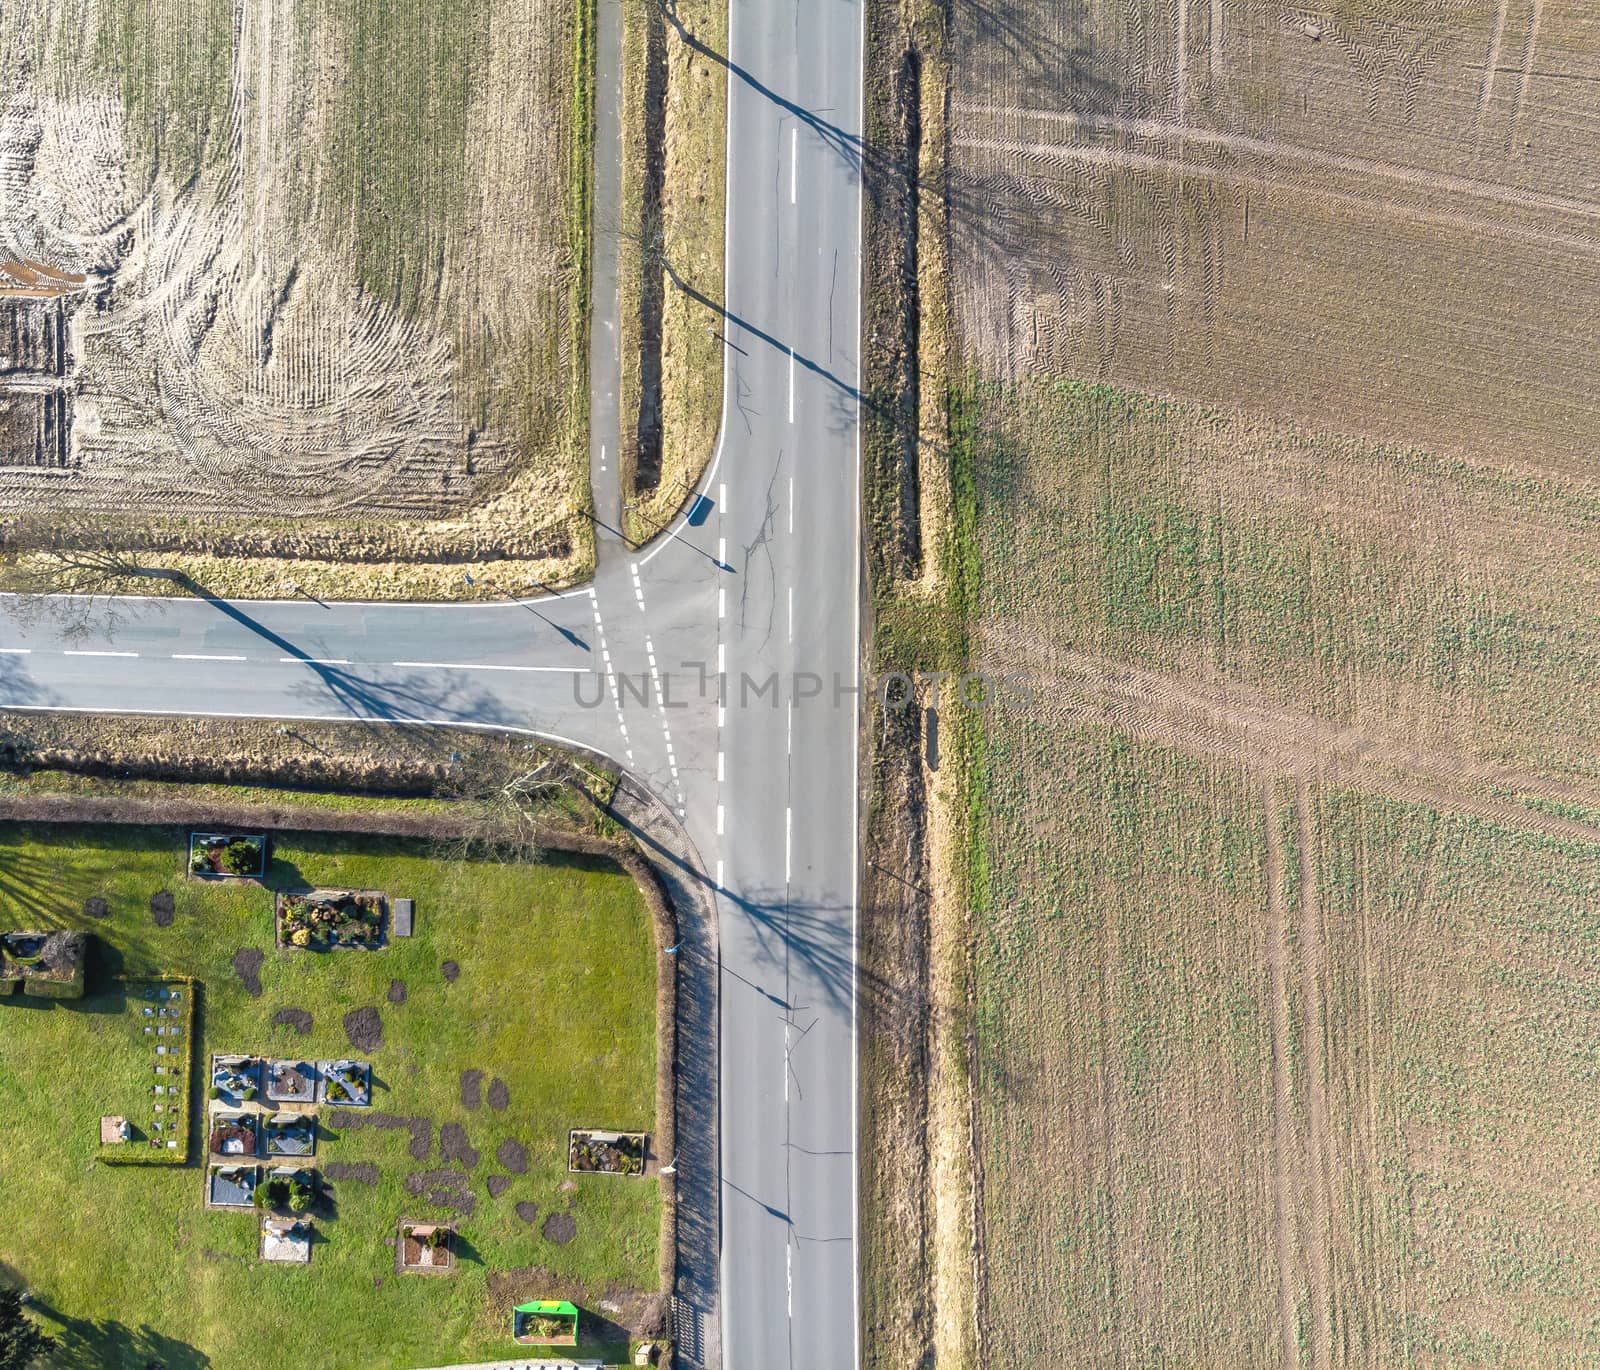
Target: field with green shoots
{"type": "Point", "coordinates": [1285, 878]}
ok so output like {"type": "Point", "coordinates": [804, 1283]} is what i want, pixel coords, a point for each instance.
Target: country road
{"type": "Point", "coordinates": [718, 666]}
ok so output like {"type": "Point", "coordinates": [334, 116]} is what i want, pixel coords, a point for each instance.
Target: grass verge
{"type": "Point", "coordinates": [691, 239]}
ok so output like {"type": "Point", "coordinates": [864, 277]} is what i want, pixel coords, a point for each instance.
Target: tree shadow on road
{"type": "Point", "coordinates": [413, 698]}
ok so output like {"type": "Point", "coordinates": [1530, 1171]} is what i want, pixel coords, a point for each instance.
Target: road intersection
{"type": "Point", "coordinates": [719, 665]}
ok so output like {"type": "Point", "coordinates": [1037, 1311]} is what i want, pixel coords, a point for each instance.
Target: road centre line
{"type": "Point", "coordinates": [791, 385]}
{"type": "Point", "coordinates": [200, 656]}
{"type": "Point", "coordinates": [476, 666]}
{"type": "Point", "coordinates": [719, 820]}
{"type": "Point", "coordinates": [16, 651]}
{"type": "Point", "coordinates": [315, 660]}
{"type": "Point", "coordinates": [791, 504]}
{"type": "Point", "coordinates": [788, 840]}
{"type": "Point", "coordinates": [791, 613]}
{"type": "Point", "coordinates": [722, 601]}
{"type": "Point", "coordinates": [719, 875]}
{"type": "Point", "coordinates": [794, 159]}
{"type": "Point", "coordinates": [70, 652]}
{"type": "Point", "coordinates": [719, 768]}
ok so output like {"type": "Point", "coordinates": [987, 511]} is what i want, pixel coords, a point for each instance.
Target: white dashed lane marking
{"type": "Point", "coordinates": [616, 698]}
{"type": "Point", "coordinates": [472, 666]}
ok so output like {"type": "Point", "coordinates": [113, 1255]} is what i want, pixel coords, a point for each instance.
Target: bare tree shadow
{"type": "Point", "coordinates": [106, 1344]}
{"type": "Point", "coordinates": [18, 688]}
{"type": "Point", "coordinates": [414, 698]}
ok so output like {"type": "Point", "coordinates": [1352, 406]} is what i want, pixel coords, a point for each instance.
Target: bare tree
{"type": "Point", "coordinates": [506, 806]}
{"type": "Point", "coordinates": [69, 566]}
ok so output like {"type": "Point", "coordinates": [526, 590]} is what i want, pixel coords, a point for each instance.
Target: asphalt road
{"type": "Point", "coordinates": [717, 665]}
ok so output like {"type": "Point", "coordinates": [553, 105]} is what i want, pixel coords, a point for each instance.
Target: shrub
{"type": "Point", "coordinates": [300, 1197]}
{"type": "Point", "coordinates": [215, 1092]}
{"type": "Point", "coordinates": [241, 857]}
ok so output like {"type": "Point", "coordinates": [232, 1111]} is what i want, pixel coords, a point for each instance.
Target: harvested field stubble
{"type": "Point", "coordinates": [331, 273]}
{"type": "Point", "coordinates": [1380, 217]}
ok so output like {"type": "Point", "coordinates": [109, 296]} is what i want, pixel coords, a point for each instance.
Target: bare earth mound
{"type": "Point", "coordinates": [247, 963]}
{"type": "Point", "coordinates": [297, 1018]}
{"type": "Point", "coordinates": [364, 1028]}
{"type": "Point", "coordinates": [560, 1228]}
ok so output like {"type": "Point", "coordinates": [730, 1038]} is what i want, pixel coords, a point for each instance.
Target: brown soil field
{"type": "Point", "coordinates": [1376, 216]}
{"type": "Point", "coordinates": [334, 265]}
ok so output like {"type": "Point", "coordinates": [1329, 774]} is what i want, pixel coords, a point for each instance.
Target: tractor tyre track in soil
{"type": "Point", "coordinates": [1219, 718]}
{"type": "Point", "coordinates": [1318, 1177]}
{"type": "Point", "coordinates": [1284, 1143]}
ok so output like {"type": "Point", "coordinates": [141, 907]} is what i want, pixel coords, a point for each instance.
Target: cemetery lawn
{"type": "Point", "coordinates": [554, 997]}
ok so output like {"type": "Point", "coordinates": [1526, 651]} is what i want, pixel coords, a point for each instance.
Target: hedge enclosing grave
{"type": "Point", "coordinates": [167, 1003]}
